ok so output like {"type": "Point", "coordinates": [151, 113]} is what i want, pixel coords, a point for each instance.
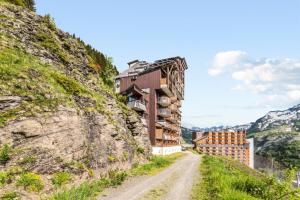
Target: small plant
{"type": "Point", "coordinates": [117, 177]}
{"type": "Point", "coordinates": [125, 156]}
{"type": "Point", "coordinates": [31, 182]}
{"type": "Point", "coordinates": [4, 177]}
{"type": "Point", "coordinates": [48, 20]}
{"type": "Point", "coordinates": [4, 154]}
{"type": "Point", "coordinates": [90, 172]}
{"type": "Point", "coordinates": [10, 195]}
{"type": "Point", "coordinates": [61, 178]}
{"type": "Point", "coordinates": [111, 158]}
{"type": "Point", "coordinates": [140, 150]}
{"type": "Point", "coordinates": [28, 159]}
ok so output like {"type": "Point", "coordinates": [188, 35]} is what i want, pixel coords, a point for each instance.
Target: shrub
{"type": "Point", "coordinates": [4, 154]}
{"type": "Point", "coordinates": [111, 158]}
{"type": "Point", "coordinates": [61, 178]}
{"type": "Point", "coordinates": [117, 177]}
{"type": "Point", "coordinates": [9, 195]}
{"type": "Point", "coordinates": [31, 182]}
{"type": "Point", "coordinates": [4, 177]}
{"type": "Point", "coordinates": [30, 4]}
{"type": "Point", "coordinates": [140, 150]}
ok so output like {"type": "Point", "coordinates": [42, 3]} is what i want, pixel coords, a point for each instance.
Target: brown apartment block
{"type": "Point", "coordinates": [155, 91]}
{"type": "Point", "coordinates": [228, 143]}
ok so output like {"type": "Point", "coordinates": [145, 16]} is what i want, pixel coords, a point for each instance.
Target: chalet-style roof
{"type": "Point", "coordinates": [139, 67]}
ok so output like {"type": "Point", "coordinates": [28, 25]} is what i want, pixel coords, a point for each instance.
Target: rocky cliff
{"type": "Point", "coordinates": [56, 112]}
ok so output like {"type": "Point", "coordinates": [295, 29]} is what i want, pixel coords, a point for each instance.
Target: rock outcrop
{"type": "Point", "coordinates": [56, 113]}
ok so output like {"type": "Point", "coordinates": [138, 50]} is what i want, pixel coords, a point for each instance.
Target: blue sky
{"type": "Point", "coordinates": [243, 56]}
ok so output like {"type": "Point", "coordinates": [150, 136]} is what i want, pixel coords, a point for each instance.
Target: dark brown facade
{"type": "Point", "coordinates": [163, 85]}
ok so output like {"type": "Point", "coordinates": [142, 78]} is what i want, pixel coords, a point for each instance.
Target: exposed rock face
{"type": "Point", "coordinates": [68, 136]}
{"type": "Point", "coordinates": [54, 123]}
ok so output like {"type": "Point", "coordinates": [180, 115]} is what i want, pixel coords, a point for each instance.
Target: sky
{"type": "Point", "coordinates": [243, 56]}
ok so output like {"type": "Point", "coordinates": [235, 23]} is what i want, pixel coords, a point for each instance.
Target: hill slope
{"type": "Point", "coordinates": [57, 109]}
{"type": "Point", "coordinates": [277, 136]}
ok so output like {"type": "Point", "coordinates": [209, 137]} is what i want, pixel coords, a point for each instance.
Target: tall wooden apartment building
{"type": "Point", "coordinates": [155, 90]}
{"type": "Point", "coordinates": [228, 143]}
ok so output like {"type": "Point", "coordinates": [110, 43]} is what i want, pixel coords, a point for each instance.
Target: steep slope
{"type": "Point", "coordinates": [57, 109]}
{"type": "Point", "coordinates": [277, 136]}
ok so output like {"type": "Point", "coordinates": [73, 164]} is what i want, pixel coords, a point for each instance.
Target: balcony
{"type": "Point", "coordinates": [159, 133]}
{"type": "Point", "coordinates": [163, 124]}
{"type": "Point", "coordinates": [165, 87]}
{"type": "Point", "coordinates": [164, 101]}
{"type": "Point", "coordinates": [173, 108]}
{"type": "Point", "coordinates": [137, 105]}
{"type": "Point", "coordinates": [164, 112]}
{"type": "Point", "coordinates": [174, 99]}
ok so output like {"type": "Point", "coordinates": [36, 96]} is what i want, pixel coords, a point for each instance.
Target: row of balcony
{"type": "Point", "coordinates": [166, 101]}
{"type": "Point", "coordinates": [159, 134]}
{"type": "Point", "coordinates": [168, 126]}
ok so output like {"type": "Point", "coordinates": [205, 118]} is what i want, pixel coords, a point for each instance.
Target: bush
{"type": "Point", "coordinates": [30, 4]}
{"type": "Point", "coordinates": [61, 178]}
{"type": "Point", "coordinates": [9, 195]}
{"type": "Point", "coordinates": [4, 154]}
{"type": "Point", "coordinates": [4, 177]}
{"type": "Point", "coordinates": [140, 150]}
{"type": "Point", "coordinates": [31, 182]}
{"type": "Point", "coordinates": [117, 177]}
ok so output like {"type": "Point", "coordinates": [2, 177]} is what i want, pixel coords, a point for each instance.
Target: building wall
{"type": "Point", "coordinates": [230, 144]}
{"type": "Point", "coordinates": [149, 80]}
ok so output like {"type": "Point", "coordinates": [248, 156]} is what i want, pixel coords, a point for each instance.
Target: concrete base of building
{"type": "Point", "coordinates": [166, 150]}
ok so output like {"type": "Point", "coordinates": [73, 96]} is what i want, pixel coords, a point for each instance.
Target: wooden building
{"type": "Point", "coordinates": [161, 90]}
{"type": "Point", "coordinates": [228, 143]}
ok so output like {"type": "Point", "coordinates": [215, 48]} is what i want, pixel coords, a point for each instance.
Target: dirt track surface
{"type": "Point", "coordinates": [174, 183]}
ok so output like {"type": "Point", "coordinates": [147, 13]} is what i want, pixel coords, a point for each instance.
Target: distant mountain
{"type": "Point", "coordinates": [275, 119]}
{"type": "Point", "coordinates": [277, 136]}
{"type": "Point", "coordinates": [186, 134]}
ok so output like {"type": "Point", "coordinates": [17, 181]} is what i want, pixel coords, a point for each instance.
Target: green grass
{"type": "Point", "coordinates": [89, 190]}
{"type": "Point", "coordinates": [10, 195]}
{"type": "Point", "coordinates": [226, 179]}
{"type": "Point", "coordinates": [4, 153]}
{"type": "Point", "coordinates": [31, 182]}
{"type": "Point", "coordinates": [24, 75]}
{"type": "Point", "coordinates": [155, 165]}
{"type": "Point", "coordinates": [61, 178]}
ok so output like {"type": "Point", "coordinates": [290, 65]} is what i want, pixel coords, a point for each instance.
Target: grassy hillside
{"type": "Point", "coordinates": [281, 143]}
{"type": "Point", "coordinates": [61, 124]}
{"type": "Point", "coordinates": [226, 179]}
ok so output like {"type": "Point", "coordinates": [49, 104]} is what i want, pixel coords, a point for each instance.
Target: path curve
{"type": "Point", "coordinates": [173, 183]}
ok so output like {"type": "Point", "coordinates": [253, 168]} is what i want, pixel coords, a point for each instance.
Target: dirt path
{"type": "Point", "coordinates": [174, 183]}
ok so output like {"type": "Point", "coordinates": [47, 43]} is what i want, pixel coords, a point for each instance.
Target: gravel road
{"type": "Point", "coordinates": [174, 183]}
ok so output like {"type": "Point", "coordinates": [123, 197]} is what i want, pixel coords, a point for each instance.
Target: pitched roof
{"type": "Point", "coordinates": [137, 67]}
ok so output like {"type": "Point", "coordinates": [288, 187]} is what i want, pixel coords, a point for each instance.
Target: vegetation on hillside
{"type": "Point", "coordinates": [88, 190]}
{"type": "Point", "coordinates": [30, 4]}
{"type": "Point", "coordinates": [225, 179]}
{"type": "Point", "coordinates": [279, 143]}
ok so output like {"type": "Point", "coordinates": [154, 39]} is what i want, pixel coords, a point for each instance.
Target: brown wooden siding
{"type": "Point", "coordinates": [149, 80]}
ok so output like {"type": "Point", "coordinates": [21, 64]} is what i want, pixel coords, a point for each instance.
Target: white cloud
{"type": "Point", "coordinates": [225, 59]}
{"type": "Point", "coordinates": [277, 80]}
